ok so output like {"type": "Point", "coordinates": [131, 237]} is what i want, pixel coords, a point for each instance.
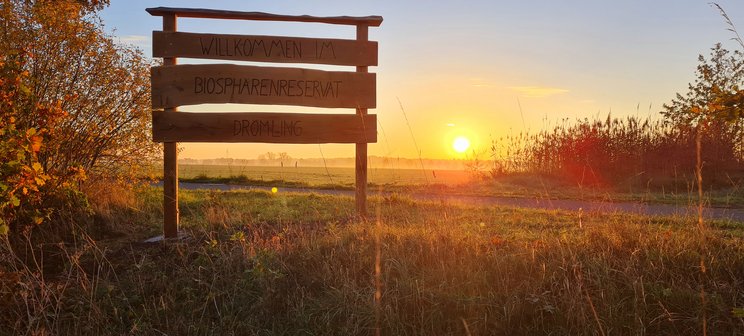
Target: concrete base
{"type": "Point", "coordinates": [160, 238]}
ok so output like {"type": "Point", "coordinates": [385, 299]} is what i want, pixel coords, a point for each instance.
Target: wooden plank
{"type": "Point", "coordinates": [372, 20]}
{"type": "Point", "coordinates": [280, 49]}
{"type": "Point", "coordinates": [228, 83]}
{"type": "Point", "coordinates": [170, 159]}
{"type": "Point", "coordinates": [298, 128]}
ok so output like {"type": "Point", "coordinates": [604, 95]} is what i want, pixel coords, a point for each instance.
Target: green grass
{"type": "Point", "coordinates": [257, 263]}
{"type": "Point", "coordinates": [320, 176]}
{"type": "Point", "coordinates": [454, 182]}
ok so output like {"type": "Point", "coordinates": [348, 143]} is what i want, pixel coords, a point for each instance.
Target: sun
{"type": "Point", "coordinates": [461, 144]}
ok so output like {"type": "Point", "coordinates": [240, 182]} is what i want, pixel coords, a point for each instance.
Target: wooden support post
{"type": "Point", "coordinates": [362, 35]}
{"type": "Point", "coordinates": [170, 159]}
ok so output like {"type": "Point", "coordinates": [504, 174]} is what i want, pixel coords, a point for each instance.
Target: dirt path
{"type": "Point", "coordinates": [571, 205]}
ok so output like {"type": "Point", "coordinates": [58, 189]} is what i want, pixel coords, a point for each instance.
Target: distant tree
{"type": "Point", "coordinates": [271, 156]}
{"type": "Point", "coordinates": [713, 106]}
{"type": "Point", "coordinates": [103, 87]}
{"type": "Point", "coordinates": [717, 93]}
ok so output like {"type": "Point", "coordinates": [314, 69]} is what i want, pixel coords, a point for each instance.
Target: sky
{"type": "Point", "coordinates": [475, 69]}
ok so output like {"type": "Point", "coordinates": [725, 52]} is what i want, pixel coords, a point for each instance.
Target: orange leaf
{"type": "Point", "coordinates": [35, 143]}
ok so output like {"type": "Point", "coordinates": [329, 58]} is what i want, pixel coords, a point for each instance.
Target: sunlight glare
{"type": "Point", "coordinates": [461, 144]}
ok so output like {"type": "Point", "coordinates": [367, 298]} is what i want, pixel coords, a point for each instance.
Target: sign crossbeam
{"type": "Point", "coordinates": [260, 48]}
{"type": "Point", "coordinates": [191, 84]}
{"type": "Point", "coordinates": [297, 128]}
{"type": "Point", "coordinates": [371, 21]}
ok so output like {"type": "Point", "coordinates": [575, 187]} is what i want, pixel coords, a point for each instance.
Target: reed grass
{"type": "Point", "coordinates": [625, 152]}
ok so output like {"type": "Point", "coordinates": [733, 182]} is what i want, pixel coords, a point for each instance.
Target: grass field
{"type": "Point", "coordinates": [256, 263]}
{"type": "Point", "coordinates": [454, 182]}
{"type": "Point", "coordinates": [319, 176]}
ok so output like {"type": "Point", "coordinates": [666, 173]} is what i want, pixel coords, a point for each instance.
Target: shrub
{"type": "Point", "coordinates": [71, 63]}
{"type": "Point", "coordinates": [23, 180]}
{"type": "Point", "coordinates": [74, 104]}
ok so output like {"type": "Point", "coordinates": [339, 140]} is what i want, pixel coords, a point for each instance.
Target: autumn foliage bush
{"type": "Point", "coordinates": [103, 86]}
{"type": "Point", "coordinates": [74, 105]}
{"type": "Point", "coordinates": [23, 180]}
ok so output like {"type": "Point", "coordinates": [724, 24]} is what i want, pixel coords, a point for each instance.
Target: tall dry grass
{"type": "Point", "coordinates": [276, 264]}
{"type": "Point", "coordinates": [624, 151]}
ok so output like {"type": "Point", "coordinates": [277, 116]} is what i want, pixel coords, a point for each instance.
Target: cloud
{"type": "Point", "coordinates": [134, 38]}
{"type": "Point", "coordinates": [137, 40]}
{"type": "Point", "coordinates": [538, 91]}
{"type": "Point", "coordinates": [479, 82]}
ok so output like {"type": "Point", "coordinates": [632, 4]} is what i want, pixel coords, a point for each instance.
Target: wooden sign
{"type": "Point", "coordinates": [178, 85]}
{"type": "Point", "coordinates": [263, 127]}
{"type": "Point", "coordinates": [264, 48]}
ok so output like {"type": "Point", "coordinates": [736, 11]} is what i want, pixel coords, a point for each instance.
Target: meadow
{"type": "Point", "coordinates": [458, 182]}
{"type": "Point", "coordinates": [321, 176]}
{"type": "Point", "coordinates": [257, 263]}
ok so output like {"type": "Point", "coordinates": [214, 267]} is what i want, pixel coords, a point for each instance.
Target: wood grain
{"type": "Point", "coordinates": [228, 83]}
{"type": "Point", "coordinates": [171, 218]}
{"type": "Point", "coordinates": [372, 20]}
{"type": "Point", "coordinates": [362, 35]}
{"type": "Point", "coordinates": [296, 128]}
{"type": "Point", "coordinates": [256, 48]}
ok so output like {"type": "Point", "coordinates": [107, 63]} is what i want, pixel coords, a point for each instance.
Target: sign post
{"type": "Point", "coordinates": [176, 85]}
{"type": "Point", "coordinates": [170, 157]}
{"type": "Point", "coordinates": [360, 169]}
